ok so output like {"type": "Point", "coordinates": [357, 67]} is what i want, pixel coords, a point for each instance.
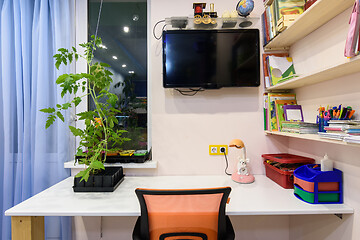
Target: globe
{"type": "Point", "coordinates": [245, 7]}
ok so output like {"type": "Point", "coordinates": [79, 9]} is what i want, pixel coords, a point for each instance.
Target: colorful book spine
{"type": "Point", "coordinates": [272, 110]}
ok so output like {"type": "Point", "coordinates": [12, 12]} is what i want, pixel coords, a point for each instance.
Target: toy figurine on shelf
{"type": "Point", "coordinates": [204, 17]}
{"type": "Point", "coordinates": [198, 12]}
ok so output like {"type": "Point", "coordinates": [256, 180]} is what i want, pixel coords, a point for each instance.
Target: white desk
{"type": "Point", "coordinates": [263, 197]}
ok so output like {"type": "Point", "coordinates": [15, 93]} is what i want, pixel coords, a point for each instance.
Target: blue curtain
{"type": "Point", "coordinates": [32, 158]}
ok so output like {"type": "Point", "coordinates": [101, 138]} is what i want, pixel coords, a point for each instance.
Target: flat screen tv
{"type": "Point", "coordinates": [211, 59]}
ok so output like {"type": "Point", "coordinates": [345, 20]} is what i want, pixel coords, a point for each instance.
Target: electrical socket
{"type": "Point", "coordinates": [216, 149]}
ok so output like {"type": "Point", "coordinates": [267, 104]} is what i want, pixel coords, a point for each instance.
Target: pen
{"type": "Point", "coordinates": [351, 113]}
{"type": "Point", "coordinates": [341, 111]}
{"type": "Point", "coordinates": [344, 114]}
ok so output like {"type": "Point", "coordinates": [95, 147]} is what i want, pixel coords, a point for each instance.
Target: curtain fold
{"type": "Point", "coordinates": [32, 158]}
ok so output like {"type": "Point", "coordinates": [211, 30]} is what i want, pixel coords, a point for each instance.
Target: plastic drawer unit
{"type": "Point", "coordinates": [318, 187]}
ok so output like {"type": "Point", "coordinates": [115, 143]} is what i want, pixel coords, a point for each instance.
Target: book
{"type": "Point", "coordinates": [269, 17]}
{"type": "Point", "coordinates": [293, 113]}
{"type": "Point", "coordinates": [266, 27]}
{"type": "Point", "coordinates": [263, 19]}
{"type": "Point", "coordinates": [299, 127]}
{"type": "Point", "coordinates": [265, 111]}
{"type": "Point", "coordinates": [272, 19]}
{"type": "Point", "coordinates": [280, 117]}
{"type": "Point", "coordinates": [287, 7]}
{"type": "Point", "coordinates": [280, 67]}
{"type": "Point", "coordinates": [271, 107]}
{"type": "Point", "coordinates": [265, 56]}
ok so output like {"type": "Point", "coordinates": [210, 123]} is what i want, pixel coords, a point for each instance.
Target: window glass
{"type": "Point", "coordinates": [123, 30]}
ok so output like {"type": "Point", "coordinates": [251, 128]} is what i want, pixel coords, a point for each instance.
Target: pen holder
{"type": "Point", "coordinates": [322, 124]}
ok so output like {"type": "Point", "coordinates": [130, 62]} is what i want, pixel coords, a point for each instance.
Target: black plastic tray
{"type": "Point", "coordinates": [107, 182]}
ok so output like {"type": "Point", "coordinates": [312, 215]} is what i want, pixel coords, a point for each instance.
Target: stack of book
{"type": "Point", "coordinates": [347, 130]}
{"type": "Point", "coordinates": [299, 127]}
{"type": "Point", "coordinates": [275, 10]}
{"type": "Point", "coordinates": [273, 109]}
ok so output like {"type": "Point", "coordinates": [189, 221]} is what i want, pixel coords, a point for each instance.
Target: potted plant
{"type": "Point", "coordinates": [99, 136]}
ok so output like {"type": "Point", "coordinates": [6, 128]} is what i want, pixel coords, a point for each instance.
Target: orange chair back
{"type": "Point", "coordinates": [171, 214]}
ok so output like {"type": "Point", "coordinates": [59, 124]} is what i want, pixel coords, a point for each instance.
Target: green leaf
{"type": "Point", "coordinates": [76, 131]}
{"type": "Point", "coordinates": [50, 121]}
{"type": "Point", "coordinates": [57, 64]}
{"type": "Point", "coordinates": [59, 114]}
{"type": "Point", "coordinates": [76, 101]}
{"type": "Point", "coordinates": [70, 57]}
{"type": "Point", "coordinates": [111, 123]}
{"type": "Point", "coordinates": [112, 99]}
{"type": "Point", "coordinates": [80, 152]}
{"type": "Point", "coordinates": [64, 60]}
{"type": "Point", "coordinates": [96, 165]}
{"type": "Point", "coordinates": [105, 65]}
{"type": "Point", "coordinates": [47, 110]}
{"type": "Point", "coordinates": [108, 73]}
{"type": "Point", "coordinates": [62, 50]}
{"type": "Point", "coordinates": [74, 49]}
{"type": "Point", "coordinates": [58, 105]}
{"type": "Point", "coordinates": [61, 78]}
{"type": "Point", "coordinates": [66, 105]}
{"type": "Point", "coordinates": [84, 174]}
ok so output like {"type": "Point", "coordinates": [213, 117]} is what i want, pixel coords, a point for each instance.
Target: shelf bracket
{"type": "Point", "coordinates": [276, 49]}
{"type": "Point", "coordinates": [339, 215]}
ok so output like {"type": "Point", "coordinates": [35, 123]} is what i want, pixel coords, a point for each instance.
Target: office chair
{"type": "Point", "coordinates": [195, 214]}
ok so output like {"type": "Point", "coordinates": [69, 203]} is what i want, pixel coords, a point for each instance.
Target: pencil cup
{"type": "Point", "coordinates": [321, 125]}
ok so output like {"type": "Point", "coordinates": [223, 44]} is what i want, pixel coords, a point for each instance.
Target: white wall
{"type": "Point", "coordinates": [321, 49]}
{"type": "Point", "coordinates": [183, 127]}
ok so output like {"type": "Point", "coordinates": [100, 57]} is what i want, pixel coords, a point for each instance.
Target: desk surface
{"type": "Point", "coordinates": [263, 197]}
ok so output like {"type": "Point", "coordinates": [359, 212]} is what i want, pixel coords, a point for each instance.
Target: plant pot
{"type": "Point", "coordinates": [105, 181]}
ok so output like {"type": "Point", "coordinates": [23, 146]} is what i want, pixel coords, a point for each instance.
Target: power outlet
{"type": "Point", "coordinates": [213, 150]}
{"type": "Point", "coordinates": [218, 149]}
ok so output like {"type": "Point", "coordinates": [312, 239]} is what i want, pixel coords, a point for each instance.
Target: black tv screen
{"type": "Point", "coordinates": [211, 59]}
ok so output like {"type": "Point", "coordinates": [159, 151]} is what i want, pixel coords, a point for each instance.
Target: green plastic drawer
{"type": "Point", "coordinates": [310, 197]}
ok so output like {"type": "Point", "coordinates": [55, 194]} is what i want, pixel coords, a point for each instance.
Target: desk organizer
{"type": "Point", "coordinates": [280, 167]}
{"type": "Point", "coordinates": [314, 186]}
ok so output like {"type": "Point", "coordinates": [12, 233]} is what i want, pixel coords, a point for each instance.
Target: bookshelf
{"type": "Point", "coordinates": [312, 137]}
{"type": "Point", "coordinates": [317, 15]}
{"type": "Point", "coordinates": [345, 67]}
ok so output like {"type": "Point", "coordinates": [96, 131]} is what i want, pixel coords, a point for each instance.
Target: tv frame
{"type": "Point", "coordinates": [210, 86]}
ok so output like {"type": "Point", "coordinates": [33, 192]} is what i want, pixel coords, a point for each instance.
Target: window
{"type": "Point", "coordinates": [123, 30]}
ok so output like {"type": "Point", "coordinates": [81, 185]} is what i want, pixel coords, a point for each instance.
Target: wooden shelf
{"type": "Point", "coordinates": [313, 137]}
{"type": "Point", "coordinates": [317, 15]}
{"type": "Point", "coordinates": [346, 67]}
